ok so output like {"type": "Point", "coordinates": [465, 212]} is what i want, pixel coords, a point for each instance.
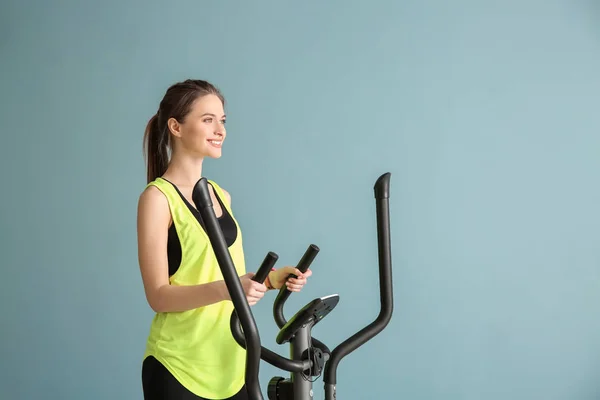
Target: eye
{"type": "Point", "coordinates": [208, 120]}
{"type": "Point", "coordinates": [223, 121]}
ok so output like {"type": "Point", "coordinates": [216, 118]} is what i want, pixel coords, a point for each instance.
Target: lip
{"type": "Point", "coordinates": [213, 144]}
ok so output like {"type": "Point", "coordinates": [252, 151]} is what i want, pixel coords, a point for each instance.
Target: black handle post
{"type": "Point", "coordinates": [203, 202]}
{"type": "Point", "coordinates": [307, 259]}
{"type": "Point", "coordinates": [305, 262]}
{"type": "Point", "coordinates": [382, 194]}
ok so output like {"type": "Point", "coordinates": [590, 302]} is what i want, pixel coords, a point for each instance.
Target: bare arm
{"type": "Point", "coordinates": [152, 228]}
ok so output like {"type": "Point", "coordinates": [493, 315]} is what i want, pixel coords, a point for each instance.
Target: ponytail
{"type": "Point", "coordinates": [156, 146]}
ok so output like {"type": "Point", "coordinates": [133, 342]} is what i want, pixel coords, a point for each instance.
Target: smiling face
{"type": "Point", "coordinates": [202, 131]}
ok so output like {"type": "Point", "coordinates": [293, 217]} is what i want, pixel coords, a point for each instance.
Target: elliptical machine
{"type": "Point", "coordinates": [309, 356]}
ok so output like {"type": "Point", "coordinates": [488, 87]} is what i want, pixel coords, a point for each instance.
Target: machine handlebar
{"type": "Point", "coordinates": [202, 200]}
{"type": "Point", "coordinates": [382, 194]}
{"type": "Point", "coordinates": [249, 337]}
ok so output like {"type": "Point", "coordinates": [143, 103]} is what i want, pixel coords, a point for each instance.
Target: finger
{"type": "Point", "coordinates": [296, 281]}
{"type": "Point", "coordinates": [254, 297]}
{"type": "Point", "coordinates": [307, 273]}
{"type": "Point", "coordinates": [293, 287]}
{"type": "Point", "coordinates": [294, 275]}
{"type": "Point", "coordinates": [259, 286]}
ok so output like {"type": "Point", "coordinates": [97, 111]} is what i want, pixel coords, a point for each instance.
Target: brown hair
{"type": "Point", "coordinates": [176, 103]}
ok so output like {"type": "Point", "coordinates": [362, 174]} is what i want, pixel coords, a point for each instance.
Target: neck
{"type": "Point", "coordinates": [184, 171]}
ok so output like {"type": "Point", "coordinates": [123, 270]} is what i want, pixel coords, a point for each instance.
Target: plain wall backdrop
{"type": "Point", "coordinates": [486, 114]}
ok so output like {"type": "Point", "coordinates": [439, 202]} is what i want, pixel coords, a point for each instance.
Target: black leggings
{"type": "Point", "coordinates": [159, 384]}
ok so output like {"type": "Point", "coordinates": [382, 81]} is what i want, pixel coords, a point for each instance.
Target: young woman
{"type": "Point", "coordinates": [190, 352]}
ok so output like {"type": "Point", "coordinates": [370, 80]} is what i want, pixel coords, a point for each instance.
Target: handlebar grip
{"type": "Point", "coordinates": [305, 261]}
{"type": "Point", "coordinates": [265, 267]}
{"type": "Point", "coordinates": [307, 258]}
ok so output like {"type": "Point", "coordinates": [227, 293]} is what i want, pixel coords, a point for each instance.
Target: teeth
{"type": "Point", "coordinates": [215, 141]}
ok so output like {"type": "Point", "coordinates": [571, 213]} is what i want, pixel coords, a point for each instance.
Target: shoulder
{"type": "Point", "coordinates": [153, 202]}
{"type": "Point", "coordinates": [151, 195]}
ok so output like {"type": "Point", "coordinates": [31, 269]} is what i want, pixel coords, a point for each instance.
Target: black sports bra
{"type": "Point", "coordinates": [174, 246]}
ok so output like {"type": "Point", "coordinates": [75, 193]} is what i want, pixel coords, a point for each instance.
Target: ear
{"type": "Point", "coordinates": [174, 127]}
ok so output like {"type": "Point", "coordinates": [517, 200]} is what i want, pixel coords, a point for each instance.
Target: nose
{"type": "Point", "coordinates": [220, 130]}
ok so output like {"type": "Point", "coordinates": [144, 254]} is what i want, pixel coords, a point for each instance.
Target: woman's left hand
{"type": "Point", "coordinates": [279, 277]}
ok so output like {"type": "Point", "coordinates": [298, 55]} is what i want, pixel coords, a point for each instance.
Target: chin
{"type": "Point", "coordinates": [215, 154]}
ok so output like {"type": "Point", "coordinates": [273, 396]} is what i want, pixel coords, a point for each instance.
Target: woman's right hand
{"type": "Point", "coordinates": [254, 291]}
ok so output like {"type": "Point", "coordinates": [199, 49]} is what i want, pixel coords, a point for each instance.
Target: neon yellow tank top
{"type": "Point", "coordinates": [197, 346]}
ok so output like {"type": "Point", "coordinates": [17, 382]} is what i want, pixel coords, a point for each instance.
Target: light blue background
{"type": "Point", "coordinates": [486, 114]}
